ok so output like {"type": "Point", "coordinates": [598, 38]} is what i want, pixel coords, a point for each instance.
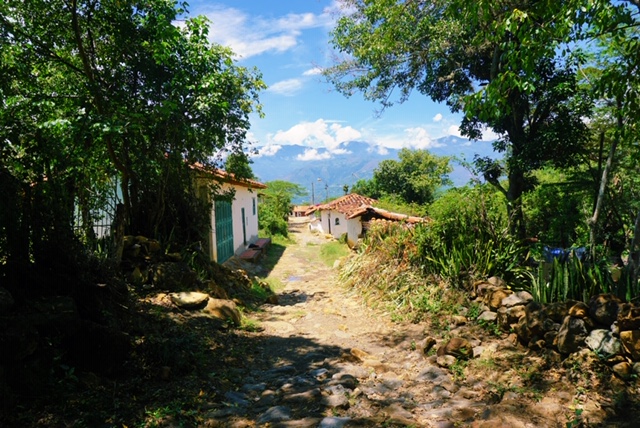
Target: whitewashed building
{"type": "Point", "coordinates": [234, 223]}
{"type": "Point", "coordinates": [351, 215]}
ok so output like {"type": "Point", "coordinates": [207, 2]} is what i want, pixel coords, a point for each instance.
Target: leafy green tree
{"type": "Point", "coordinates": [275, 206]}
{"type": "Point", "coordinates": [415, 177]}
{"type": "Point", "coordinates": [367, 188]}
{"type": "Point", "coordinates": [472, 55]}
{"type": "Point", "coordinates": [92, 90]}
{"type": "Point", "coordinates": [239, 164]}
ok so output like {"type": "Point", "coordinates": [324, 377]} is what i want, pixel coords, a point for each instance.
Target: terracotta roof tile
{"type": "Point", "coordinates": [345, 204]}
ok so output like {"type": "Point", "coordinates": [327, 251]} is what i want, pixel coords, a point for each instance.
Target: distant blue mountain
{"type": "Point", "coordinates": [355, 160]}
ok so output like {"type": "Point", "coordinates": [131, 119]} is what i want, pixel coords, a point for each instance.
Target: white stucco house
{"type": "Point", "coordinates": [234, 223]}
{"type": "Point", "coordinates": [334, 216]}
{"type": "Point", "coordinates": [351, 215]}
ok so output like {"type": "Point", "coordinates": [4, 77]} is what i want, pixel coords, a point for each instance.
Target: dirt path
{"type": "Point", "coordinates": [324, 359]}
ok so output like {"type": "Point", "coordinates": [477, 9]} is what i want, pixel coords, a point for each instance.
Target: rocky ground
{"type": "Point", "coordinates": [325, 359]}
{"type": "Point", "coordinates": [316, 356]}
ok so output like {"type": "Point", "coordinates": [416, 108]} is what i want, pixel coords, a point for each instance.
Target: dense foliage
{"type": "Point", "coordinates": [558, 83]}
{"type": "Point", "coordinates": [96, 95]}
{"type": "Point", "coordinates": [275, 206]}
{"type": "Point", "coordinates": [413, 179]}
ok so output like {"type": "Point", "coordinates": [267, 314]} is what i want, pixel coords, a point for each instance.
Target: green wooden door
{"type": "Point", "coordinates": [224, 230]}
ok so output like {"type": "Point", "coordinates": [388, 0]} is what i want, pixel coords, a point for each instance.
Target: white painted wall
{"type": "Point", "coordinates": [244, 198]}
{"type": "Point", "coordinates": [330, 216]}
{"type": "Point", "coordinates": [354, 229]}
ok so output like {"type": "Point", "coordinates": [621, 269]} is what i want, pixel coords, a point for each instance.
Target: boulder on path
{"type": "Point", "coordinates": [457, 347]}
{"type": "Point", "coordinates": [189, 299]}
{"type": "Point", "coordinates": [631, 341]}
{"type": "Point", "coordinates": [604, 309]}
{"type": "Point", "coordinates": [222, 309]}
{"type": "Point", "coordinates": [629, 317]}
{"type": "Point", "coordinates": [572, 335]}
{"type": "Point", "coordinates": [603, 343]}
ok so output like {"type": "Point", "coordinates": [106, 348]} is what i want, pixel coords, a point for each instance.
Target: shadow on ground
{"type": "Point", "coordinates": [184, 370]}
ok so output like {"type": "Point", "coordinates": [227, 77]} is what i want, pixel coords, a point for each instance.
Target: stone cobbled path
{"type": "Point", "coordinates": [324, 359]}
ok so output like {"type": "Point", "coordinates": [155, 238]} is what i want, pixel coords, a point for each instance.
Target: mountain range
{"type": "Point", "coordinates": [329, 171]}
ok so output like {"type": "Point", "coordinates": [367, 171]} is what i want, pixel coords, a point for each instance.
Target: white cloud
{"type": "Point", "coordinates": [454, 130]}
{"type": "Point", "coordinates": [437, 117]}
{"type": "Point", "coordinates": [287, 87]}
{"type": "Point", "coordinates": [313, 71]}
{"type": "Point", "coordinates": [313, 154]}
{"type": "Point", "coordinates": [321, 133]}
{"type": "Point", "coordinates": [489, 135]}
{"type": "Point", "coordinates": [268, 150]}
{"type": "Point", "coordinates": [416, 138]}
{"type": "Point", "coordinates": [251, 35]}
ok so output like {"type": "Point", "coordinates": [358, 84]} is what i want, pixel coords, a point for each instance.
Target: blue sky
{"type": "Point", "coordinates": [289, 42]}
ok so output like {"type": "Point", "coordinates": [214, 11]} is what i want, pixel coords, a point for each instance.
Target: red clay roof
{"type": "Point", "coordinates": [345, 204]}
{"type": "Point", "coordinates": [386, 215]}
{"type": "Point", "coordinates": [228, 177]}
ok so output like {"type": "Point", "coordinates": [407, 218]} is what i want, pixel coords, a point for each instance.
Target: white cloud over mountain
{"type": "Point", "coordinates": [319, 134]}
{"type": "Point", "coordinates": [268, 150]}
{"type": "Point", "coordinates": [313, 155]}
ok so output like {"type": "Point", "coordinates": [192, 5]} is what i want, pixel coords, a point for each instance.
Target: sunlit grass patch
{"type": "Point", "coordinates": [332, 251]}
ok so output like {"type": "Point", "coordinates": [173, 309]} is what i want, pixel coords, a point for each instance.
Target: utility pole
{"type": "Point", "coordinates": [313, 195]}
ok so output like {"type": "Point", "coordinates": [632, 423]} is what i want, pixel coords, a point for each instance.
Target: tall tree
{"type": "Point", "coordinates": [480, 59]}
{"type": "Point", "coordinates": [90, 90]}
{"type": "Point", "coordinates": [414, 178]}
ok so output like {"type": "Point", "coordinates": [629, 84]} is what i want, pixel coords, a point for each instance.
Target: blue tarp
{"type": "Point", "coordinates": [563, 254]}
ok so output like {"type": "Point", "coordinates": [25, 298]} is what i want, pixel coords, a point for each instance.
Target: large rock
{"type": "Point", "coordinates": [603, 343]}
{"type": "Point", "coordinates": [623, 370]}
{"type": "Point", "coordinates": [579, 310]}
{"type": "Point", "coordinates": [222, 309]}
{"type": "Point", "coordinates": [494, 296]}
{"type": "Point", "coordinates": [572, 335]}
{"type": "Point", "coordinates": [457, 347]}
{"type": "Point", "coordinates": [519, 298]}
{"type": "Point", "coordinates": [557, 311]}
{"type": "Point", "coordinates": [631, 341]}
{"type": "Point", "coordinates": [487, 316]}
{"type": "Point", "coordinates": [522, 331]}
{"type": "Point", "coordinates": [535, 318]}
{"type": "Point", "coordinates": [604, 309]}
{"type": "Point", "coordinates": [629, 317]}
{"type": "Point", "coordinates": [189, 299]}
{"type": "Point", "coordinates": [508, 316]}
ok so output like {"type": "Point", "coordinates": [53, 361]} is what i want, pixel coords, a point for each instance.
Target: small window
{"type": "Point", "coordinates": [254, 205]}
{"type": "Point", "coordinates": [337, 222]}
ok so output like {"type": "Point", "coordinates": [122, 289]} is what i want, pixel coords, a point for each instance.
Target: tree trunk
{"type": "Point", "coordinates": [633, 265]}
{"type": "Point", "coordinates": [593, 221]}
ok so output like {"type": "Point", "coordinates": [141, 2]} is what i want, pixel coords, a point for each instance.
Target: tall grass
{"type": "Point", "coordinates": [577, 280]}
{"type": "Point", "coordinates": [385, 274]}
